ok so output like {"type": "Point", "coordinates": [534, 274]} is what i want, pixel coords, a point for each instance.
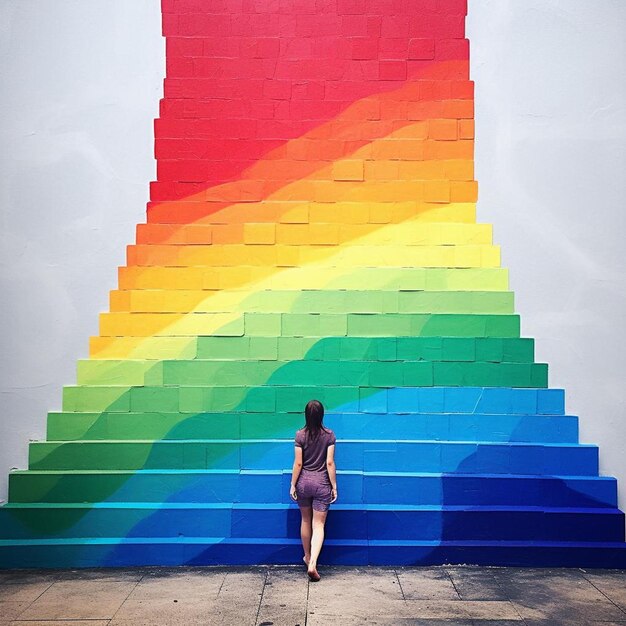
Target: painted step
{"type": "Point", "coordinates": [400, 278]}
{"type": "Point", "coordinates": [292, 399]}
{"type": "Point", "coordinates": [280, 256]}
{"type": "Point", "coordinates": [124, 552]}
{"type": "Point", "coordinates": [309, 324]}
{"type": "Point", "coordinates": [386, 522]}
{"type": "Point", "coordinates": [307, 210]}
{"type": "Point", "coordinates": [312, 301]}
{"type": "Point", "coordinates": [355, 487]}
{"type": "Point", "coordinates": [287, 349]}
{"type": "Point", "coordinates": [489, 349]}
{"type": "Point", "coordinates": [354, 373]}
{"type": "Point", "coordinates": [432, 233]}
{"type": "Point", "coordinates": [367, 455]}
{"type": "Point", "coordinates": [435, 426]}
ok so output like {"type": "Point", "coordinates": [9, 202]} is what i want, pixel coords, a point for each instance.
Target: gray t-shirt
{"type": "Point", "coordinates": [314, 450]}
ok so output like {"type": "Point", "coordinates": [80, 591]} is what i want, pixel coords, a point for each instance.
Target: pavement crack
{"type": "Point", "coordinates": [395, 571]}
{"type": "Point", "coordinates": [452, 581]}
{"type": "Point", "coordinates": [128, 595]}
{"type": "Point", "coordinates": [617, 606]}
{"type": "Point", "coordinates": [306, 604]}
{"type": "Point", "coordinates": [258, 611]}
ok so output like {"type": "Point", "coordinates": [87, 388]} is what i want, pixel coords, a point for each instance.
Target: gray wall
{"type": "Point", "coordinates": [81, 81]}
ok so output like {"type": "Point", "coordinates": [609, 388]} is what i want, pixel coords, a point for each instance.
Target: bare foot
{"type": "Point", "coordinates": [306, 560]}
{"type": "Point", "coordinates": [313, 575]}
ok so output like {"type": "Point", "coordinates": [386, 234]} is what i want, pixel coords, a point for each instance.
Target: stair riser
{"type": "Point", "coordinates": [309, 325]}
{"type": "Point", "coordinates": [341, 524]}
{"type": "Point", "coordinates": [455, 427]}
{"type": "Point", "coordinates": [405, 278]}
{"type": "Point", "coordinates": [291, 399]}
{"type": "Point", "coordinates": [345, 374]}
{"type": "Point", "coordinates": [78, 554]}
{"type": "Point", "coordinates": [322, 301]}
{"type": "Point", "coordinates": [361, 456]}
{"type": "Point", "coordinates": [354, 489]}
{"type": "Point", "coordinates": [367, 349]}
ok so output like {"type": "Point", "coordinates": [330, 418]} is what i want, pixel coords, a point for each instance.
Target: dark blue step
{"type": "Point", "coordinates": [394, 522]}
{"type": "Point", "coordinates": [116, 552]}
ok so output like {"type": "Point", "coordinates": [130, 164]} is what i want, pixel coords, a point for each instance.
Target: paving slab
{"type": "Point", "coordinates": [612, 583]}
{"type": "Point", "coordinates": [71, 622]}
{"type": "Point", "coordinates": [23, 592]}
{"type": "Point", "coordinates": [474, 583]}
{"type": "Point", "coordinates": [234, 607]}
{"type": "Point", "coordinates": [79, 599]}
{"type": "Point", "coordinates": [172, 596]}
{"type": "Point", "coordinates": [11, 610]}
{"type": "Point", "coordinates": [283, 596]}
{"type": "Point", "coordinates": [566, 596]}
{"type": "Point", "coordinates": [284, 599]}
{"type": "Point", "coordinates": [325, 619]}
{"type": "Point", "coordinates": [428, 583]}
{"type": "Point", "coordinates": [356, 593]}
{"type": "Point", "coordinates": [112, 574]}
{"type": "Point", "coordinates": [21, 576]}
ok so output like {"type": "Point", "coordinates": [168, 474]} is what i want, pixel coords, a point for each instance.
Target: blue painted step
{"type": "Point", "coordinates": [244, 520]}
{"type": "Point", "coordinates": [114, 551]}
{"type": "Point", "coordinates": [368, 455]}
{"type": "Point", "coordinates": [488, 400]}
{"type": "Point", "coordinates": [455, 427]}
{"type": "Point", "coordinates": [273, 486]}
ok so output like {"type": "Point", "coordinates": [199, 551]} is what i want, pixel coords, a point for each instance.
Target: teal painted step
{"type": "Point", "coordinates": [273, 486]}
{"type": "Point", "coordinates": [391, 522]}
{"type": "Point", "coordinates": [344, 301]}
{"type": "Point", "coordinates": [436, 426]}
{"type": "Point", "coordinates": [344, 373]}
{"type": "Point", "coordinates": [122, 552]}
{"type": "Point", "coordinates": [368, 455]}
{"type": "Point", "coordinates": [490, 349]}
{"type": "Point", "coordinates": [292, 399]}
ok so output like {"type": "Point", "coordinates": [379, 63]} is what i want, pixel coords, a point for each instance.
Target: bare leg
{"type": "Point", "coordinates": [306, 531]}
{"type": "Point", "coordinates": [317, 539]}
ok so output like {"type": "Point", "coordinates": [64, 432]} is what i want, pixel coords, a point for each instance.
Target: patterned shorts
{"type": "Point", "coordinates": [313, 489]}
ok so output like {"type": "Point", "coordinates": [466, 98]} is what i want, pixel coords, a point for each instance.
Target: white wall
{"type": "Point", "coordinates": [550, 163]}
{"type": "Point", "coordinates": [80, 85]}
{"type": "Point", "coordinates": [81, 81]}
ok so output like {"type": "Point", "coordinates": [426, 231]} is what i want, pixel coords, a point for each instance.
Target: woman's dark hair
{"type": "Point", "coordinates": [314, 414]}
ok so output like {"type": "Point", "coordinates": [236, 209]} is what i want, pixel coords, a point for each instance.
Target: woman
{"type": "Point", "coordinates": [313, 482]}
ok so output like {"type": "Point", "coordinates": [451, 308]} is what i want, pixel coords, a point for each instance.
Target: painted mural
{"type": "Point", "coordinates": [312, 233]}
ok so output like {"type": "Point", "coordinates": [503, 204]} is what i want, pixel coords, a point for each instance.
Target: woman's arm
{"type": "Point", "coordinates": [297, 466]}
{"type": "Point", "coordinates": [332, 471]}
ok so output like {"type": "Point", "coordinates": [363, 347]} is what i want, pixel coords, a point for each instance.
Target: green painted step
{"type": "Point", "coordinates": [360, 373]}
{"type": "Point", "coordinates": [495, 349]}
{"type": "Point", "coordinates": [198, 399]}
{"type": "Point", "coordinates": [144, 372]}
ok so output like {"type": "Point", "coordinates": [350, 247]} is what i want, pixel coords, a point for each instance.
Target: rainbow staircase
{"type": "Point", "coordinates": [312, 234]}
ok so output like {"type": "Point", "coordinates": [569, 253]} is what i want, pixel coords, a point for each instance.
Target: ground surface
{"type": "Point", "coordinates": [282, 596]}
